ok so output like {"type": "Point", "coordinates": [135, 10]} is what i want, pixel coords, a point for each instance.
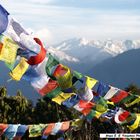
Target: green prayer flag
{"type": "Point", "coordinates": [36, 130]}
{"type": "Point", "coordinates": [50, 64]}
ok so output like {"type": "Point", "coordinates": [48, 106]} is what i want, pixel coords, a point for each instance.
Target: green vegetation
{"type": "Point", "coordinates": [18, 109]}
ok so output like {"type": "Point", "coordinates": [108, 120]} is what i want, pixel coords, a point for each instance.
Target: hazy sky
{"type": "Point", "coordinates": [57, 20]}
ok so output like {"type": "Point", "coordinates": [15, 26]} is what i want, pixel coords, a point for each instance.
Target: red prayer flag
{"type": "Point", "coordinates": [2, 128]}
{"type": "Point", "coordinates": [51, 85]}
{"type": "Point", "coordinates": [49, 129]}
{"type": "Point", "coordinates": [34, 60]}
{"type": "Point", "coordinates": [124, 115]}
{"type": "Point", "coordinates": [59, 71]}
{"type": "Point", "coordinates": [65, 126]}
{"type": "Point", "coordinates": [118, 97]}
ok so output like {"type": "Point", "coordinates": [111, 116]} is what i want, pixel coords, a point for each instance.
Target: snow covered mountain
{"type": "Point", "coordinates": [72, 46]}
{"type": "Point", "coordinates": [81, 54]}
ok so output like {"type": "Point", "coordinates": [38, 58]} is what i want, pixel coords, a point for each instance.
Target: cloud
{"type": "Point", "coordinates": [70, 21]}
{"type": "Point", "coordinates": [45, 35]}
{"type": "Point", "coordinates": [41, 1]}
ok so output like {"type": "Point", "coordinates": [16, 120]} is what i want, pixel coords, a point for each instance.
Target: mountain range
{"type": "Point", "coordinates": [114, 62]}
{"type": "Point", "coordinates": [82, 54]}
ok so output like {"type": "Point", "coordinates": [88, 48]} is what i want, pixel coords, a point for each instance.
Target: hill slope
{"type": "Point", "coordinates": [119, 71]}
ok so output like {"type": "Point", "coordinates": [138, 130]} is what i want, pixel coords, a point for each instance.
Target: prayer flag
{"type": "Point", "coordinates": [135, 124]}
{"type": "Point", "coordinates": [70, 102]}
{"type": "Point", "coordinates": [3, 19]}
{"type": "Point", "coordinates": [19, 70]}
{"type": "Point", "coordinates": [65, 126]}
{"type": "Point", "coordinates": [119, 96]}
{"type": "Point", "coordinates": [47, 131]}
{"type": "Point", "coordinates": [34, 60]}
{"type": "Point", "coordinates": [40, 82]}
{"type": "Point", "coordinates": [56, 128]}
{"type": "Point", "coordinates": [102, 89]}
{"type": "Point", "coordinates": [21, 130]}
{"type": "Point", "coordinates": [3, 127]}
{"type": "Point", "coordinates": [36, 130]}
{"type": "Point", "coordinates": [50, 65]}
{"type": "Point", "coordinates": [62, 97]}
{"type": "Point", "coordinates": [90, 82]}
{"type": "Point", "coordinates": [11, 131]}
{"type": "Point", "coordinates": [112, 91]}
{"type": "Point", "coordinates": [48, 87]}
{"type": "Point", "coordinates": [9, 51]}
{"type": "Point", "coordinates": [64, 76]}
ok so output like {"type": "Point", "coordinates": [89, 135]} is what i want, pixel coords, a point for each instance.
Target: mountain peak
{"type": "Point", "coordinates": [83, 42]}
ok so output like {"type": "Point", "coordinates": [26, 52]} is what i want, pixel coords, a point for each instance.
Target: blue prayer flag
{"type": "Point", "coordinates": [3, 19]}
{"type": "Point", "coordinates": [71, 101]}
{"type": "Point", "coordinates": [21, 130]}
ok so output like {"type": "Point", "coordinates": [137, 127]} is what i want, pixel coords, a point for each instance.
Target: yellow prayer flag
{"type": "Point", "coordinates": [8, 51]}
{"type": "Point", "coordinates": [77, 124]}
{"type": "Point", "coordinates": [137, 100]}
{"type": "Point", "coordinates": [19, 70]}
{"type": "Point", "coordinates": [98, 114]}
{"type": "Point", "coordinates": [90, 82]}
{"type": "Point", "coordinates": [135, 124]}
{"type": "Point", "coordinates": [62, 97]}
{"type": "Point", "coordinates": [65, 81]}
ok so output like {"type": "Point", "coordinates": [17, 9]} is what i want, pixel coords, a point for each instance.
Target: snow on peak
{"type": "Point", "coordinates": [80, 49]}
{"type": "Point", "coordinates": [83, 42]}
{"type": "Point", "coordinates": [61, 55]}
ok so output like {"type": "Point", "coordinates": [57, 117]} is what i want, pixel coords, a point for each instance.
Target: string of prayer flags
{"type": "Point", "coordinates": [3, 19]}
{"type": "Point", "coordinates": [58, 82]}
{"type": "Point", "coordinates": [17, 131]}
{"type": "Point", "coordinates": [19, 70]}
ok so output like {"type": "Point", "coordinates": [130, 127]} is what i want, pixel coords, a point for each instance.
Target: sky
{"type": "Point", "coordinates": [58, 20]}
